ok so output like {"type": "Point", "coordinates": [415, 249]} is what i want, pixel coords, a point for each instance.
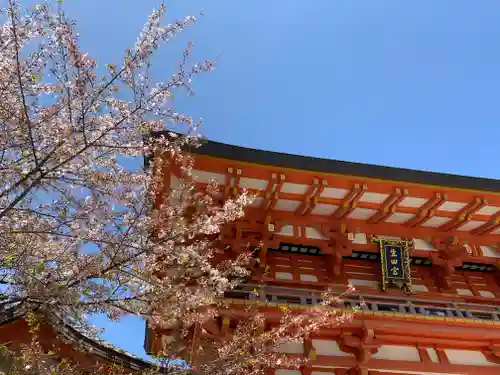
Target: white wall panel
{"type": "Point", "coordinates": [286, 230]}
{"type": "Point", "coordinates": [433, 355]}
{"type": "Point", "coordinates": [398, 353]}
{"type": "Point", "coordinates": [400, 217]}
{"type": "Point", "coordinates": [328, 347]}
{"type": "Point", "coordinates": [291, 348]}
{"type": "Point", "coordinates": [486, 293]}
{"type": "Point", "coordinates": [436, 221]}
{"type": "Point", "coordinates": [287, 372]}
{"type": "Point", "coordinates": [253, 183]}
{"type": "Point", "coordinates": [423, 245]}
{"type": "Point", "coordinates": [419, 288]}
{"type": "Point", "coordinates": [412, 202]}
{"type": "Point", "coordinates": [358, 282]}
{"type": "Point", "coordinates": [314, 234]}
{"type": "Point", "coordinates": [333, 193]}
{"type": "Point", "coordinates": [305, 277]}
{"type": "Point", "coordinates": [284, 276]}
{"type": "Point", "coordinates": [324, 209]}
{"type": "Point", "coordinates": [362, 213]}
{"type": "Point", "coordinates": [287, 205]}
{"type": "Point", "coordinates": [373, 197]}
{"type": "Point", "coordinates": [452, 206]}
{"type": "Point", "coordinates": [202, 176]}
{"type": "Point", "coordinates": [488, 251]}
{"type": "Point", "coordinates": [467, 357]}
{"type": "Point", "coordinates": [412, 372]}
{"type": "Point", "coordinates": [360, 239]}
{"type": "Point", "coordinates": [290, 187]}
{"type": "Point", "coordinates": [488, 210]}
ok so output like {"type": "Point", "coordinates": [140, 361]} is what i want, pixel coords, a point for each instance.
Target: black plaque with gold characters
{"type": "Point", "coordinates": [395, 262]}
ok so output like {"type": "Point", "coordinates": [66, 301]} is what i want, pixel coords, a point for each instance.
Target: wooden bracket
{"type": "Point", "coordinates": [272, 192]}
{"type": "Point", "coordinates": [426, 211]}
{"type": "Point", "coordinates": [363, 345]}
{"type": "Point", "coordinates": [389, 206]}
{"type": "Point", "coordinates": [311, 197]}
{"type": "Point", "coordinates": [449, 255]}
{"type": "Point", "coordinates": [465, 214]}
{"type": "Point", "coordinates": [490, 226]}
{"type": "Point", "coordinates": [350, 201]}
{"type": "Point", "coordinates": [233, 176]}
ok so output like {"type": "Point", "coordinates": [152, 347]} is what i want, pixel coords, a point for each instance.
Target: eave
{"type": "Point", "coordinates": [344, 168]}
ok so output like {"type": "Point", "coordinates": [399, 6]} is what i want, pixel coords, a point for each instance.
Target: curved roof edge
{"type": "Point", "coordinates": [277, 159]}
{"type": "Point", "coordinates": [99, 348]}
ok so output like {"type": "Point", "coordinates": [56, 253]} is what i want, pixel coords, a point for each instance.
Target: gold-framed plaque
{"type": "Point", "coordinates": [395, 263]}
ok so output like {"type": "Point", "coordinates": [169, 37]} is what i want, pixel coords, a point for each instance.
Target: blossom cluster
{"type": "Point", "coordinates": [82, 232]}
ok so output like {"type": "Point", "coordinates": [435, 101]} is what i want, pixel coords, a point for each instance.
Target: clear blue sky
{"type": "Point", "coordinates": [409, 84]}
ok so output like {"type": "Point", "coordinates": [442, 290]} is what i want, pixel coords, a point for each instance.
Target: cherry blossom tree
{"type": "Point", "coordinates": [83, 231]}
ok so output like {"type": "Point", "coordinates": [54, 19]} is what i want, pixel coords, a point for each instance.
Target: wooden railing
{"type": "Point", "coordinates": [404, 305]}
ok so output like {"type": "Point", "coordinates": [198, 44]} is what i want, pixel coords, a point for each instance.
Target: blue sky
{"type": "Point", "coordinates": [408, 84]}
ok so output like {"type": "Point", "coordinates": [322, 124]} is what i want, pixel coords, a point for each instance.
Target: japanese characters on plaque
{"type": "Point", "coordinates": [395, 263]}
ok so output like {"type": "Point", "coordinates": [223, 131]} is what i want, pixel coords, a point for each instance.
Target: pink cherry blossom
{"type": "Point", "coordinates": [81, 232]}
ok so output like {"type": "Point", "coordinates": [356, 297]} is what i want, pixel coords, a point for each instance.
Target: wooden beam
{"type": "Point", "coordinates": [400, 366]}
{"type": "Point", "coordinates": [334, 264]}
{"type": "Point", "coordinates": [389, 206]}
{"type": "Point", "coordinates": [383, 228]}
{"type": "Point", "coordinates": [493, 353]}
{"type": "Point", "coordinates": [311, 197]}
{"type": "Point", "coordinates": [426, 211]}
{"type": "Point", "coordinates": [350, 201]}
{"type": "Point", "coordinates": [490, 226]}
{"type": "Point", "coordinates": [309, 349]}
{"type": "Point", "coordinates": [465, 214]}
{"type": "Point", "coordinates": [267, 231]}
{"type": "Point", "coordinates": [231, 186]}
{"type": "Point", "coordinates": [238, 245]}
{"type": "Point", "coordinates": [358, 371]}
{"type": "Point", "coordinates": [272, 192]}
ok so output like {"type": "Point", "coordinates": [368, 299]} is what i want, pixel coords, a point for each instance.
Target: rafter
{"type": "Point", "coordinates": [311, 197]}
{"type": "Point", "coordinates": [426, 211]}
{"type": "Point", "coordinates": [272, 191]}
{"type": "Point", "coordinates": [389, 206]}
{"type": "Point", "coordinates": [350, 201]}
{"type": "Point", "coordinates": [465, 214]}
{"type": "Point", "coordinates": [490, 226]}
